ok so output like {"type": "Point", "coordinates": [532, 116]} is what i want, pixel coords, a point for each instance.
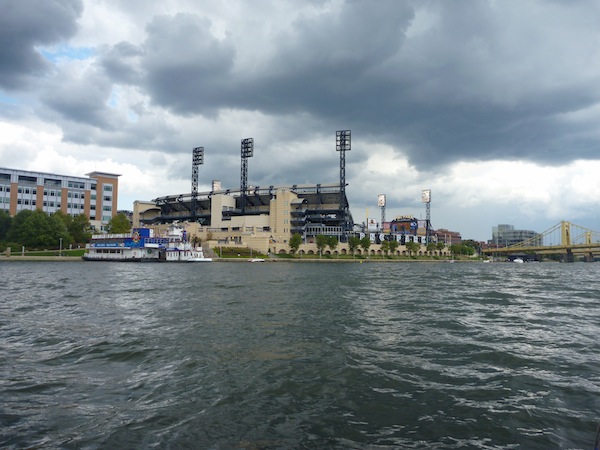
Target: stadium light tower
{"type": "Point", "coordinates": [247, 152]}
{"type": "Point", "coordinates": [381, 204]}
{"type": "Point", "coordinates": [197, 160]}
{"type": "Point", "coordinates": [342, 145]}
{"type": "Point", "coordinates": [426, 198]}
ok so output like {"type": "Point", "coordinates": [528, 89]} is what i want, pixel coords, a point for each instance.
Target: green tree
{"type": "Point", "coordinates": [365, 243]}
{"type": "Point", "coordinates": [394, 246]}
{"type": "Point", "coordinates": [412, 247]}
{"type": "Point", "coordinates": [440, 246]}
{"type": "Point", "coordinates": [456, 249]}
{"type": "Point", "coordinates": [17, 232]}
{"type": "Point", "coordinates": [5, 222]}
{"type": "Point", "coordinates": [80, 229]}
{"type": "Point", "coordinates": [385, 247]}
{"type": "Point", "coordinates": [38, 231]}
{"type": "Point", "coordinates": [467, 250]}
{"type": "Point", "coordinates": [58, 229]}
{"type": "Point", "coordinates": [353, 243]}
{"type": "Point", "coordinates": [431, 246]}
{"type": "Point", "coordinates": [321, 242]}
{"type": "Point", "coordinates": [119, 224]}
{"type": "Point", "coordinates": [332, 242]}
{"type": "Point", "coordinates": [295, 242]}
{"type": "Point", "coordinates": [59, 234]}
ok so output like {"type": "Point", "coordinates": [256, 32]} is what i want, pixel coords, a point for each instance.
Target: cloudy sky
{"type": "Point", "coordinates": [494, 105]}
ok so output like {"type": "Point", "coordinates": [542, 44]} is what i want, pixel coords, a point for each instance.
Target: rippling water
{"type": "Point", "coordinates": [253, 356]}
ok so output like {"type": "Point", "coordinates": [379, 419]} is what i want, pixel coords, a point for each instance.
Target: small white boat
{"type": "Point", "coordinates": [518, 260]}
{"type": "Point", "coordinates": [256, 260]}
{"type": "Point", "coordinates": [199, 259]}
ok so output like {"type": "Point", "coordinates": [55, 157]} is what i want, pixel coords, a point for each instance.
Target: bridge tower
{"type": "Point", "coordinates": [565, 239]}
{"type": "Point", "coordinates": [565, 233]}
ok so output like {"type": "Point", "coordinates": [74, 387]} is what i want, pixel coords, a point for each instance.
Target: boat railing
{"type": "Point", "coordinates": [111, 236]}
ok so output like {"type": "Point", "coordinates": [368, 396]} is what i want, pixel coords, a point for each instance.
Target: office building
{"type": "Point", "coordinates": [95, 196]}
{"type": "Point", "coordinates": [505, 235]}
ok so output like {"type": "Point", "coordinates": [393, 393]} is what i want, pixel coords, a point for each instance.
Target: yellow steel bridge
{"type": "Point", "coordinates": [564, 238]}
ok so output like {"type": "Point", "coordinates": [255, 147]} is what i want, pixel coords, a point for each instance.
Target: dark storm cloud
{"type": "Point", "coordinates": [439, 81]}
{"type": "Point", "coordinates": [461, 88]}
{"type": "Point", "coordinates": [119, 63]}
{"type": "Point", "coordinates": [187, 69]}
{"type": "Point", "coordinates": [25, 24]}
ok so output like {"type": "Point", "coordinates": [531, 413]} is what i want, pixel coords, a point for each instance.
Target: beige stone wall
{"type": "Point", "coordinates": [217, 203]}
{"type": "Point", "coordinates": [144, 210]}
{"type": "Point", "coordinates": [263, 242]}
{"type": "Point", "coordinates": [280, 217]}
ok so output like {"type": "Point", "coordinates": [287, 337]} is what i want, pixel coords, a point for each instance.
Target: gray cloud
{"type": "Point", "coordinates": [439, 81]}
{"type": "Point", "coordinates": [467, 86]}
{"type": "Point", "coordinates": [25, 24]}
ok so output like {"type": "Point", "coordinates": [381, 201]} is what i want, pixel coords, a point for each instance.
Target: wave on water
{"type": "Point", "coordinates": [436, 356]}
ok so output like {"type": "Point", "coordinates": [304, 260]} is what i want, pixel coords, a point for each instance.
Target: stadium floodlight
{"type": "Point", "coordinates": [247, 152]}
{"type": "Point", "coordinates": [342, 145]}
{"type": "Point", "coordinates": [426, 196]}
{"type": "Point", "coordinates": [342, 140]}
{"type": "Point", "coordinates": [198, 156]}
{"type": "Point", "coordinates": [247, 147]}
{"type": "Point", "coordinates": [197, 159]}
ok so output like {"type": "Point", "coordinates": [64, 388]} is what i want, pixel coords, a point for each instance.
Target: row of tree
{"type": "Point", "coordinates": [38, 230]}
{"type": "Point", "coordinates": [387, 247]}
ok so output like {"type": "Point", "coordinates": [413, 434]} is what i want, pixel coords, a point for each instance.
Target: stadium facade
{"type": "Point", "coordinates": [274, 212]}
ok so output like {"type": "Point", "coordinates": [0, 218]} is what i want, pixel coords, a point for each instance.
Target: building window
{"type": "Point", "coordinates": [107, 188]}
{"type": "Point", "coordinates": [107, 198]}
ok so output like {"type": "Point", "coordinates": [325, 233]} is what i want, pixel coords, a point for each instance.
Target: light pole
{"type": "Point", "coordinates": [60, 247]}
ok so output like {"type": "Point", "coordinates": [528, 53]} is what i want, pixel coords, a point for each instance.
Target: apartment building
{"type": "Point", "coordinates": [95, 196]}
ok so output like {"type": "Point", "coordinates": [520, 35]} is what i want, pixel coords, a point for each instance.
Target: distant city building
{"type": "Point", "coordinates": [95, 196]}
{"type": "Point", "coordinates": [448, 237]}
{"type": "Point", "coordinates": [505, 235]}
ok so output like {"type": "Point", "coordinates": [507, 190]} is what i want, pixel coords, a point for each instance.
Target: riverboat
{"type": "Point", "coordinates": [142, 245]}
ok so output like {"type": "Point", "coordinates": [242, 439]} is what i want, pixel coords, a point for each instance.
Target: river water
{"type": "Point", "coordinates": [307, 355]}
